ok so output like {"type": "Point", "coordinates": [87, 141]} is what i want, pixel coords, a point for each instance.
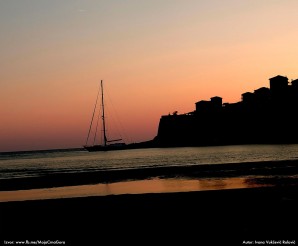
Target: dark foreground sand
{"type": "Point", "coordinates": [223, 217]}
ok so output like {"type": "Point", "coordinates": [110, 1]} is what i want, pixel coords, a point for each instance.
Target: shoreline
{"type": "Point", "coordinates": [266, 168]}
{"type": "Point", "coordinates": [210, 217]}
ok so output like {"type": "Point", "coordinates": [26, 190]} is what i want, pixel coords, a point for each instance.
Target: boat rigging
{"type": "Point", "coordinates": [107, 144]}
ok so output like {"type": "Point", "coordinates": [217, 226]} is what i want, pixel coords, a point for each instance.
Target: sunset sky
{"type": "Point", "coordinates": [154, 56]}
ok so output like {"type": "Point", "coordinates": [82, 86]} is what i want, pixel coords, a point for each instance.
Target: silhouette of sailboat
{"type": "Point", "coordinates": [107, 144]}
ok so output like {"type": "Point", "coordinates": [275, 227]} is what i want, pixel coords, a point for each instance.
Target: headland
{"type": "Point", "coordinates": [265, 116]}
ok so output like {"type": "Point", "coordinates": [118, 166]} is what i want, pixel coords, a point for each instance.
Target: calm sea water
{"type": "Point", "coordinates": [29, 164]}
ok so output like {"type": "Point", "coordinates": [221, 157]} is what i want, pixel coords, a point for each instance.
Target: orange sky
{"type": "Point", "coordinates": [155, 57]}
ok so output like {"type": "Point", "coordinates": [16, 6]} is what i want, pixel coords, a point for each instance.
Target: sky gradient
{"type": "Point", "coordinates": [155, 57]}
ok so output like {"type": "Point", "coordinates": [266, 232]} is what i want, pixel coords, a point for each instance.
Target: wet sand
{"type": "Point", "coordinates": [155, 185]}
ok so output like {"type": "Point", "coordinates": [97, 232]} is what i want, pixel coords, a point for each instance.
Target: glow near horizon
{"type": "Point", "coordinates": [155, 57]}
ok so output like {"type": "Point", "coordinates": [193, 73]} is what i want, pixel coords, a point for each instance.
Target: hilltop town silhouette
{"type": "Point", "coordinates": [265, 116]}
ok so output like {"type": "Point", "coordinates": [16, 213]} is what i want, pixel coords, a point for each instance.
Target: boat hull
{"type": "Point", "coordinates": [105, 148]}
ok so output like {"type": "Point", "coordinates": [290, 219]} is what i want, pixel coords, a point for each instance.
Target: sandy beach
{"type": "Point", "coordinates": [225, 217]}
{"type": "Point", "coordinates": [213, 217]}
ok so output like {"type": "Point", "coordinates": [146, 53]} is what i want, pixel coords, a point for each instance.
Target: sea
{"type": "Point", "coordinates": [14, 165]}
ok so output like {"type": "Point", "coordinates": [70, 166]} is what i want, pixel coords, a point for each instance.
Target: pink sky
{"type": "Point", "coordinates": [155, 57]}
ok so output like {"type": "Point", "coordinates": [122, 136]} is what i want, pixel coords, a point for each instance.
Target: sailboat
{"type": "Point", "coordinates": [107, 144]}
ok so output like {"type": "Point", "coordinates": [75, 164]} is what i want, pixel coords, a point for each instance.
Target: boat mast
{"type": "Point", "coordinates": [92, 118]}
{"type": "Point", "coordinates": [103, 116]}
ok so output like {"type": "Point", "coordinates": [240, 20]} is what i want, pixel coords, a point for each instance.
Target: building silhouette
{"type": "Point", "coordinates": [265, 116]}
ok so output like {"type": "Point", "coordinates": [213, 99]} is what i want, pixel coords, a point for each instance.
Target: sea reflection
{"type": "Point", "coordinates": [140, 187]}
